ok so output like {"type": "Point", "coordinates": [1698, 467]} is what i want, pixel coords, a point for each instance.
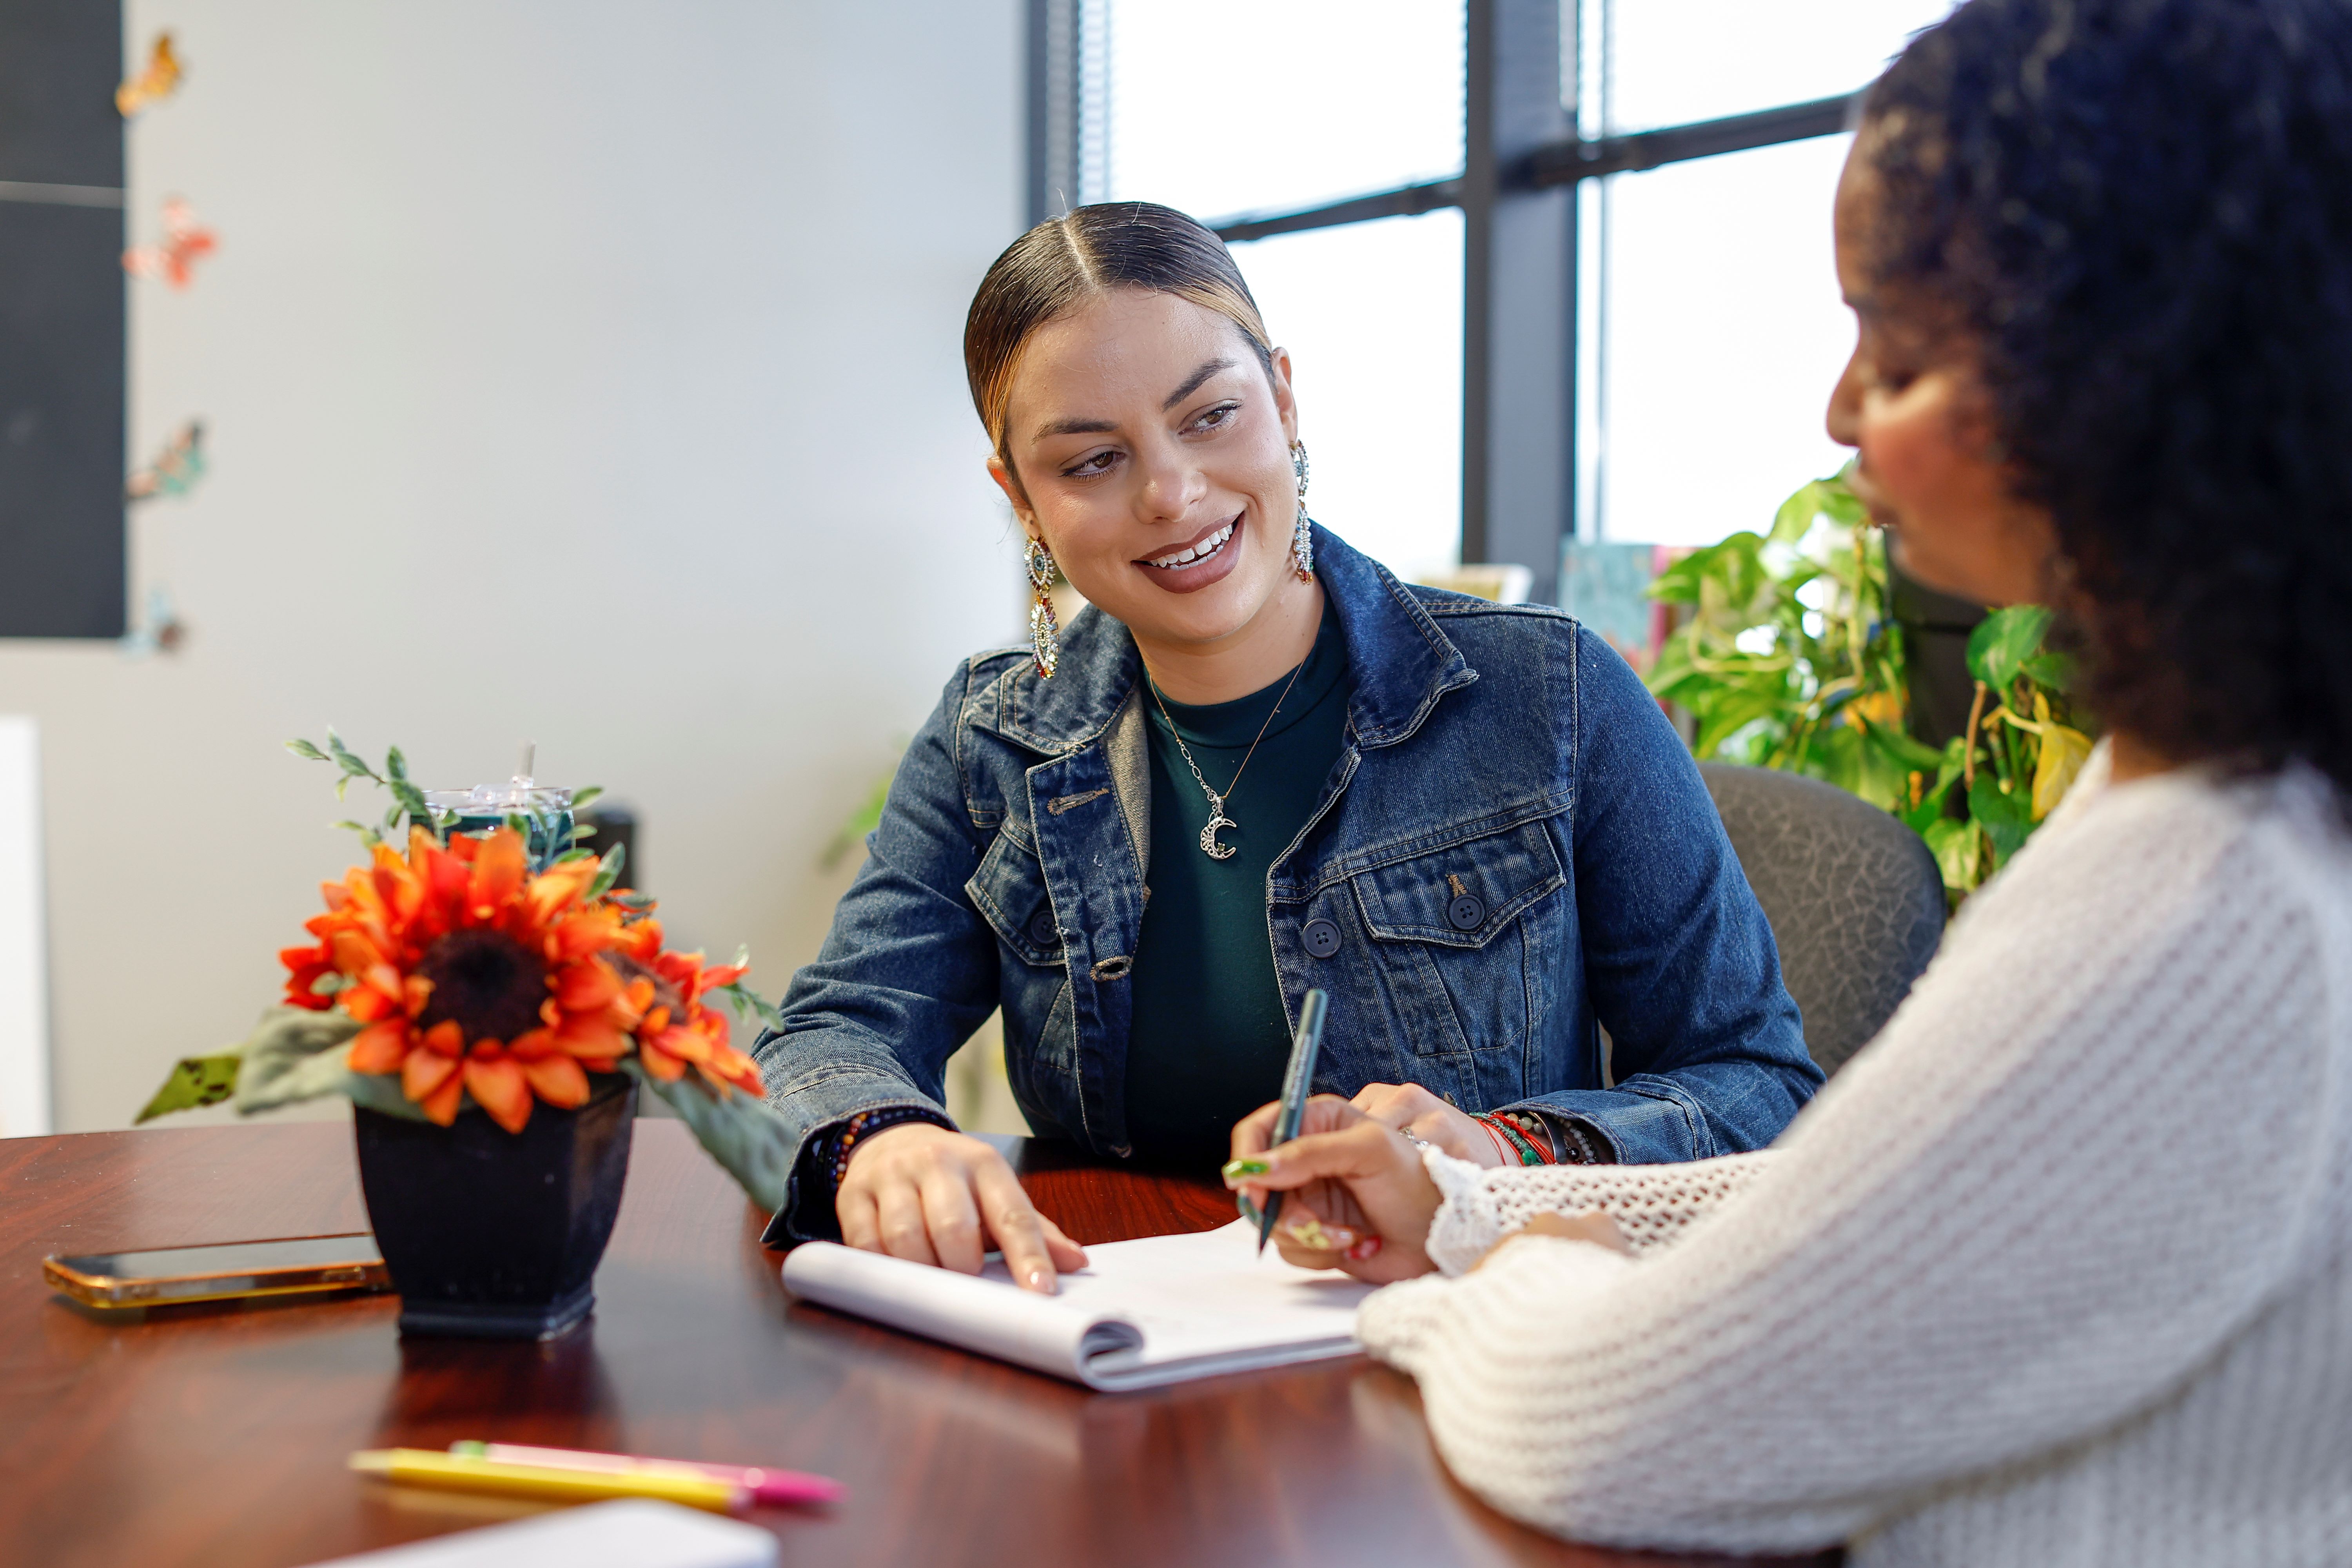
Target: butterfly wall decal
{"type": "Point", "coordinates": [175, 470]}
{"type": "Point", "coordinates": [185, 240]}
{"type": "Point", "coordinates": [153, 85]}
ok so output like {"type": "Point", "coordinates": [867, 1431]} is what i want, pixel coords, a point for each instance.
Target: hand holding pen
{"type": "Point", "coordinates": [1358, 1197]}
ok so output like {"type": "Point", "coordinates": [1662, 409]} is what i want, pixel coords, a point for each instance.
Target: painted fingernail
{"type": "Point", "coordinates": [1317, 1237]}
{"type": "Point", "coordinates": [1237, 1169]}
{"type": "Point", "coordinates": [1368, 1247]}
{"type": "Point", "coordinates": [1249, 1209]}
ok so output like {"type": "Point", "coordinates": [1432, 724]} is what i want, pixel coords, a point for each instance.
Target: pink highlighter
{"type": "Point", "coordinates": [765, 1486]}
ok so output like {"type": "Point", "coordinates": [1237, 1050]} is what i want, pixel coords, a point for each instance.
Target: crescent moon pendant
{"type": "Point", "coordinates": [1209, 844]}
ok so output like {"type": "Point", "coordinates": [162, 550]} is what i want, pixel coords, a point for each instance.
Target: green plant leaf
{"type": "Point", "coordinates": [2004, 641]}
{"type": "Point", "coordinates": [2007, 819]}
{"type": "Point", "coordinates": [396, 766]}
{"type": "Point", "coordinates": [580, 798]}
{"type": "Point", "coordinates": [742, 1131]}
{"type": "Point", "coordinates": [2051, 670]}
{"type": "Point", "coordinates": [304, 749]}
{"type": "Point", "coordinates": [608, 870]}
{"type": "Point", "coordinates": [195, 1081]}
{"type": "Point", "coordinates": [1959, 848]}
{"type": "Point", "coordinates": [296, 1055]}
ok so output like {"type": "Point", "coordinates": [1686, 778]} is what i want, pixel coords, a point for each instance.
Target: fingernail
{"type": "Point", "coordinates": [1237, 1169]}
{"type": "Point", "coordinates": [1315, 1236]}
{"type": "Point", "coordinates": [1038, 1280]}
{"type": "Point", "coordinates": [1368, 1247]}
{"type": "Point", "coordinates": [1249, 1209]}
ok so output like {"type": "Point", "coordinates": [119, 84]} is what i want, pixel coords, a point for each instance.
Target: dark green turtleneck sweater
{"type": "Point", "coordinates": [1210, 1037]}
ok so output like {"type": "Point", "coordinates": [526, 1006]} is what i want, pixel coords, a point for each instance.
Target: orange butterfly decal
{"type": "Point", "coordinates": [183, 241]}
{"type": "Point", "coordinates": [152, 86]}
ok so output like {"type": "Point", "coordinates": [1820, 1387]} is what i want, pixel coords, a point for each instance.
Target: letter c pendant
{"type": "Point", "coordinates": [1217, 818]}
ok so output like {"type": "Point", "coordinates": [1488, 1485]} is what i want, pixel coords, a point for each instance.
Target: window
{"type": "Point", "coordinates": [1528, 304]}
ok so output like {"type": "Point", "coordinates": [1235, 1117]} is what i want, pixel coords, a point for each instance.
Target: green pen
{"type": "Point", "coordinates": [1297, 1082]}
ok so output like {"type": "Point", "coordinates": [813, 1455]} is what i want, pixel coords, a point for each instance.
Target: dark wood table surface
{"type": "Point", "coordinates": [217, 1435]}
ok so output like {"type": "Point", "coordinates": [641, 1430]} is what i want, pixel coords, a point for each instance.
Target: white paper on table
{"type": "Point", "coordinates": [634, 1532]}
{"type": "Point", "coordinates": [1141, 1314]}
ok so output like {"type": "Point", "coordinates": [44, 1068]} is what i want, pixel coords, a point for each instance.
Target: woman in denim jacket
{"type": "Point", "coordinates": [1467, 821]}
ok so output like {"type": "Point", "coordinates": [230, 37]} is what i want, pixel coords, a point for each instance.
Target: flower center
{"type": "Point", "coordinates": [491, 985]}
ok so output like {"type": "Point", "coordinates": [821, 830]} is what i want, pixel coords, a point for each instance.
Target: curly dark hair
{"type": "Point", "coordinates": [2141, 212]}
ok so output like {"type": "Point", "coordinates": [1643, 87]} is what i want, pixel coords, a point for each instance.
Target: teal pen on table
{"type": "Point", "coordinates": [1298, 1083]}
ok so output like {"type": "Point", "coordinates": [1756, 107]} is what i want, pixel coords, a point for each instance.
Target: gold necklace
{"type": "Point", "coordinates": [1217, 817]}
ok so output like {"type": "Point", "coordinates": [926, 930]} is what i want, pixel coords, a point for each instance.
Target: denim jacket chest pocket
{"type": "Point", "coordinates": [1009, 891]}
{"type": "Point", "coordinates": [1033, 979]}
{"type": "Point", "coordinates": [1462, 939]}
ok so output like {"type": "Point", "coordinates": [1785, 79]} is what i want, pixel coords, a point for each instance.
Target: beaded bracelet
{"type": "Point", "coordinates": [834, 1157]}
{"type": "Point", "coordinates": [1528, 1151]}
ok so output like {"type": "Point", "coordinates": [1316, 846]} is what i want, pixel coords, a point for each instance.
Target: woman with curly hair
{"type": "Point", "coordinates": [2060, 1269]}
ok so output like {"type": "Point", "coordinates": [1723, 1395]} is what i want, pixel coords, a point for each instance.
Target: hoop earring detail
{"type": "Point", "coordinates": [1302, 533]}
{"type": "Point", "coordinates": [1044, 631]}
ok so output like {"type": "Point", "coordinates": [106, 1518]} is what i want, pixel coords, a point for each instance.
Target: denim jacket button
{"type": "Point", "coordinates": [1042, 930]}
{"type": "Point", "coordinates": [1467, 913]}
{"type": "Point", "coordinates": [1322, 938]}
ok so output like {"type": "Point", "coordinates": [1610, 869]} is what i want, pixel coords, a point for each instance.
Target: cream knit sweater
{"type": "Point", "coordinates": [2058, 1271]}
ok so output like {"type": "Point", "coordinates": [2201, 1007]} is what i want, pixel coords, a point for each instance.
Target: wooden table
{"type": "Point", "coordinates": [217, 1435]}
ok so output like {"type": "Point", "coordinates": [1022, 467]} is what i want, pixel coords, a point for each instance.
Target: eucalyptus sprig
{"type": "Point", "coordinates": [407, 800]}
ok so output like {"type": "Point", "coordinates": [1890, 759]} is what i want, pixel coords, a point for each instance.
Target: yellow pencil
{"type": "Point", "coordinates": [463, 1472]}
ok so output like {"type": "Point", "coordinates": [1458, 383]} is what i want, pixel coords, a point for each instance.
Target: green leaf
{"type": "Point", "coordinates": [2050, 669]}
{"type": "Point", "coordinates": [582, 797]}
{"type": "Point", "coordinates": [2007, 819]}
{"type": "Point", "coordinates": [742, 1131]}
{"type": "Point", "coordinates": [2004, 641]}
{"type": "Point", "coordinates": [1959, 848]}
{"type": "Point", "coordinates": [296, 1055]}
{"type": "Point", "coordinates": [609, 871]}
{"type": "Point", "coordinates": [195, 1081]}
{"type": "Point", "coordinates": [396, 766]}
{"type": "Point", "coordinates": [304, 749]}
{"type": "Point", "coordinates": [354, 826]}
{"type": "Point", "coordinates": [392, 817]}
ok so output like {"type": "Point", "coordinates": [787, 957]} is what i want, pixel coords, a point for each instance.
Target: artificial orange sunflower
{"type": "Point", "coordinates": [470, 976]}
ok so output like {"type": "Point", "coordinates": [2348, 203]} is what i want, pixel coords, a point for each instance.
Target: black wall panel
{"type": "Point", "coordinates": [62, 551]}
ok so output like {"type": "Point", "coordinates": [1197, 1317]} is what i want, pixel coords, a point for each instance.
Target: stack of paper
{"type": "Point", "coordinates": [1141, 1314]}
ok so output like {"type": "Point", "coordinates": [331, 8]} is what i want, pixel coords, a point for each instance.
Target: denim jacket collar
{"type": "Point", "coordinates": [1399, 660]}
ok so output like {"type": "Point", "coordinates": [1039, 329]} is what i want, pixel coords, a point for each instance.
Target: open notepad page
{"type": "Point", "coordinates": [1141, 1314]}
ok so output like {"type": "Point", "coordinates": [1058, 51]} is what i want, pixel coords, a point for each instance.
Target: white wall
{"type": "Point", "coordinates": [24, 946]}
{"type": "Point", "coordinates": [583, 371]}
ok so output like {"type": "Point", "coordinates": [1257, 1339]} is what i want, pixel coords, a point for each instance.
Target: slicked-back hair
{"type": "Point", "coordinates": [2141, 211]}
{"type": "Point", "coordinates": [1087, 252]}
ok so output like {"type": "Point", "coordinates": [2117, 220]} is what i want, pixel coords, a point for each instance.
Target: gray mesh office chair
{"type": "Point", "coordinates": [1854, 899]}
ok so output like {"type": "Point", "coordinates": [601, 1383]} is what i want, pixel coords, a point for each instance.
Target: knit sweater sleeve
{"type": "Point", "coordinates": [2079, 1159]}
{"type": "Point", "coordinates": [1652, 1205]}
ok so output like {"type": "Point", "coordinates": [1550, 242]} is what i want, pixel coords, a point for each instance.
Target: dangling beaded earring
{"type": "Point", "coordinates": [1302, 533]}
{"type": "Point", "coordinates": [1044, 631]}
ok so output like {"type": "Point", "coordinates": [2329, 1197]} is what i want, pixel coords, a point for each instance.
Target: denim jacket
{"type": "Point", "coordinates": [1497, 751]}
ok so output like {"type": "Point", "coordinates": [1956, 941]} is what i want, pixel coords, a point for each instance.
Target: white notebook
{"type": "Point", "coordinates": [632, 1533]}
{"type": "Point", "coordinates": [1141, 1314]}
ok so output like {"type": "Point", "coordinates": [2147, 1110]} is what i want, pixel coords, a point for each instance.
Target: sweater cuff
{"type": "Point", "coordinates": [1468, 1223]}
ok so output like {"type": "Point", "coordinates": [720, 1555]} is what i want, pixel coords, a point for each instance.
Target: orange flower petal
{"type": "Point", "coordinates": [366, 1004]}
{"type": "Point", "coordinates": [660, 1064]}
{"type": "Point", "coordinates": [441, 1105]}
{"type": "Point", "coordinates": [687, 1045]}
{"type": "Point", "coordinates": [725, 974]}
{"type": "Point", "coordinates": [426, 1071]}
{"type": "Point", "coordinates": [585, 987]}
{"type": "Point", "coordinates": [532, 1047]}
{"type": "Point", "coordinates": [557, 888]}
{"type": "Point", "coordinates": [496, 1083]}
{"type": "Point", "coordinates": [557, 1080]}
{"type": "Point", "coordinates": [499, 868]}
{"type": "Point", "coordinates": [589, 1035]}
{"type": "Point", "coordinates": [379, 1048]}
{"type": "Point", "coordinates": [446, 1038]}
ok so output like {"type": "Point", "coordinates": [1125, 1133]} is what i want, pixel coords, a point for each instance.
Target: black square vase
{"type": "Point", "coordinates": [496, 1234]}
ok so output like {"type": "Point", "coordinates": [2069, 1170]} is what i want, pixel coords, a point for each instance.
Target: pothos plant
{"type": "Point", "coordinates": [1786, 656]}
{"type": "Point", "coordinates": [463, 968]}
